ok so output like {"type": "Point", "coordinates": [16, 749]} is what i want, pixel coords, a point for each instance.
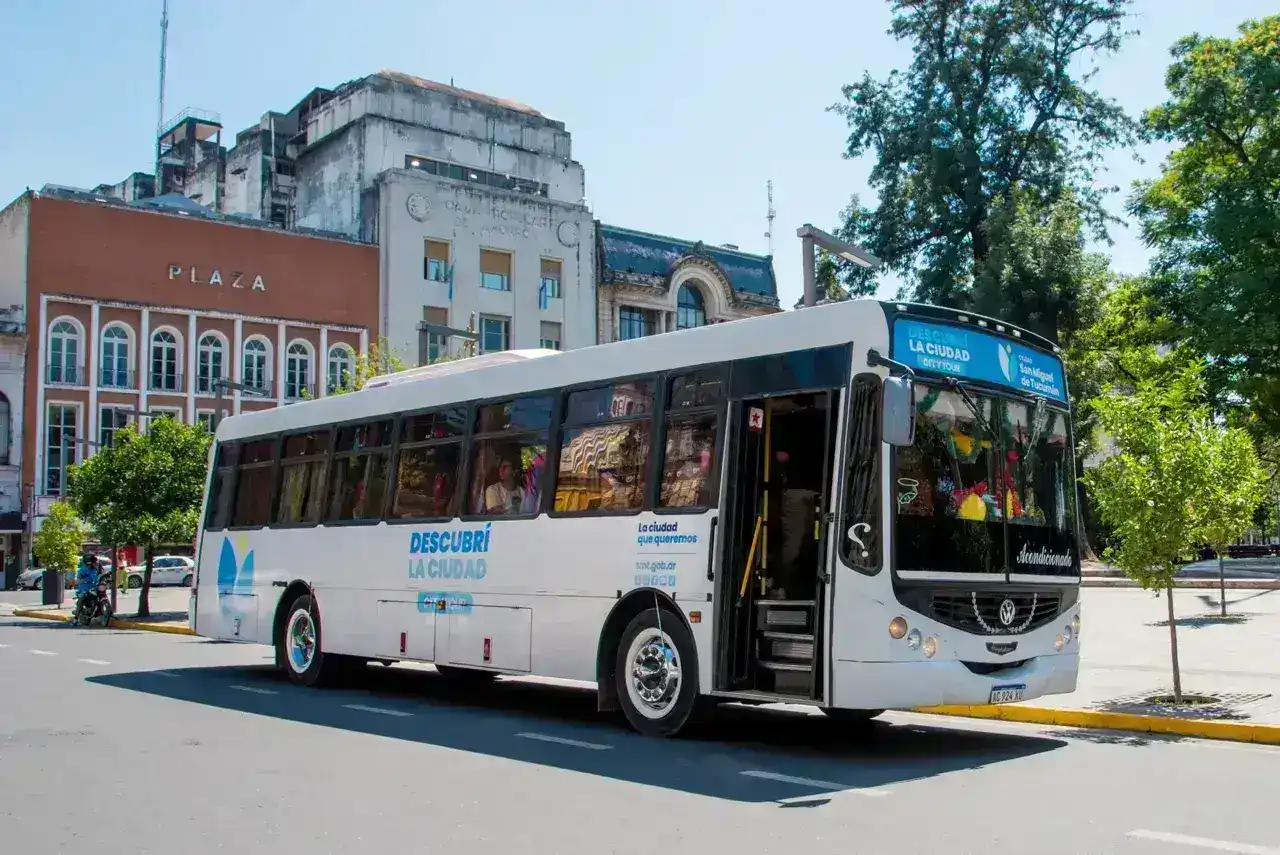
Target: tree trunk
{"type": "Point", "coordinates": [1222, 581]}
{"type": "Point", "coordinates": [1173, 647]}
{"type": "Point", "coordinates": [144, 593]}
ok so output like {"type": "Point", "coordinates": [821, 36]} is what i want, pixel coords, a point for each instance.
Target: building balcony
{"type": "Point", "coordinates": [61, 374]}
{"type": "Point", "coordinates": [165, 383]}
{"type": "Point", "coordinates": [114, 378]}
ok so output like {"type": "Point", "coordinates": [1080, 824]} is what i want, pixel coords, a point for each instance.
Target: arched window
{"type": "Point", "coordinates": [64, 353]}
{"type": "Point", "coordinates": [211, 360]}
{"type": "Point", "coordinates": [164, 362]}
{"type": "Point", "coordinates": [257, 362]}
{"type": "Point", "coordinates": [297, 371]}
{"type": "Point", "coordinates": [342, 367]}
{"type": "Point", "coordinates": [115, 358]}
{"type": "Point", "coordinates": [6, 431]}
{"type": "Point", "coordinates": [691, 310]}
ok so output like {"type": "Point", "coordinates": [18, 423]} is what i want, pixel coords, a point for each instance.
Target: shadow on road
{"type": "Point", "coordinates": [710, 758]}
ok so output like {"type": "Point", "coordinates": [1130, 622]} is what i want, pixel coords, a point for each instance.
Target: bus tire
{"type": "Point", "coordinates": [661, 701]}
{"type": "Point", "coordinates": [298, 649]}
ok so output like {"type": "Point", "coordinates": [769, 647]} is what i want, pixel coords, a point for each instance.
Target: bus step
{"type": "Point", "coordinates": [789, 636]}
{"type": "Point", "coordinates": [784, 619]}
{"type": "Point", "coordinates": [786, 647]}
{"type": "Point", "coordinates": [794, 604]}
{"type": "Point", "coordinates": [771, 665]}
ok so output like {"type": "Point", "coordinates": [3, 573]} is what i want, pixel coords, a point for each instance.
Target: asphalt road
{"type": "Point", "coordinates": [140, 742]}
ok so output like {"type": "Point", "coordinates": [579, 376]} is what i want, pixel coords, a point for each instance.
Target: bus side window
{"type": "Point", "coordinates": [509, 451]}
{"type": "Point", "coordinates": [300, 494]}
{"type": "Point", "coordinates": [428, 464]}
{"type": "Point", "coordinates": [361, 467]}
{"type": "Point", "coordinates": [604, 451]}
{"type": "Point", "coordinates": [690, 477]}
{"type": "Point", "coordinates": [860, 535]}
{"type": "Point", "coordinates": [220, 487]}
{"type": "Point", "coordinates": [254, 476]}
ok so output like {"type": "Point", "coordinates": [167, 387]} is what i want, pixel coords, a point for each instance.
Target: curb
{"type": "Point", "coordinates": [169, 629]}
{"type": "Point", "coordinates": [1231, 731]}
{"type": "Point", "coordinates": [1232, 584]}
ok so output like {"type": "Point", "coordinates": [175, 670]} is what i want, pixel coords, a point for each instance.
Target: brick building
{"type": "Point", "coordinates": [136, 310]}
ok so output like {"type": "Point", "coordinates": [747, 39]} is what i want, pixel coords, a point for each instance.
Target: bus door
{"type": "Point", "coordinates": [775, 573]}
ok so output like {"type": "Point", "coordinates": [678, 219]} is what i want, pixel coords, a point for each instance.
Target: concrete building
{"type": "Point", "coordinates": [475, 201]}
{"type": "Point", "coordinates": [140, 309]}
{"type": "Point", "coordinates": [651, 284]}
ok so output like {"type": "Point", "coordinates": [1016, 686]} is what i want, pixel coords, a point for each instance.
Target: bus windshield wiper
{"type": "Point", "coordinates": [973, 407]}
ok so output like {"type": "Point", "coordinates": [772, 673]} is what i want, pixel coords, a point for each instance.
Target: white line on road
{"type": "Point", "coordinates": [560, 740]}
{"type": "Point", "coordinates": [4, 645]}
{"type": "Point", "coordinates": [828, 786]}
{"type": "Point", "coordinates": [379, 710]}
{"type": "Point", "coordinates": [1204, 842]}
{"type": "Point", "coordinates": [254, 689]}
{"type": "Point", "coordinates": [43, 652]}
{"type": "Point", "coordinates": [95, 662]}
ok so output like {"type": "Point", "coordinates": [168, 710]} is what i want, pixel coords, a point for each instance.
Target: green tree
{"type": "Point", "coordinates": [145, 490]}
{"type": "Point", "coordinates": [60, 539]}
{"type": "Point", "coordinates": [1156, 486]}
{"type": "Point", "coordinates": [1213, 215]}
{"type": "Point", "coordinates": [380, 359]}
{"type": "Point", "coordinates": [1234, 490]}
{"type": "Point", "coordinates": [995, 112]}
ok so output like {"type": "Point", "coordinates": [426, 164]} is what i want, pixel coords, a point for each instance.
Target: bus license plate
{"type": "Point", "coordinates": [1007, 694]}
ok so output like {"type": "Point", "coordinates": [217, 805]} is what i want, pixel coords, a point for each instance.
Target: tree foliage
{"type": "Point", "coordinates": [60, 539]}
{"type": "Point", "coordinates": [145, 490]}
{"type": "Point", "coordinates": [1213, 215]}
{"type": "Point", "coordinates": [994, 114]}
{"type": "Point", "coordinates": [380, 359]}
{"type": "Point", "coordinates": [1177, 478]}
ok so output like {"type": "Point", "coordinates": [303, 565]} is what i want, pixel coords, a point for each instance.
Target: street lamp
{"type": "Point", "coordinates": [809, 237]}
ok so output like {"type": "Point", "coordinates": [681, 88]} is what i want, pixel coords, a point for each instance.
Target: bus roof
{"type": "Point", "coordinates": [517, 372]}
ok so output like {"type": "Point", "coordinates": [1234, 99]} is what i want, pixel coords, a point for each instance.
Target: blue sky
{"type": "Point", "coordinates": [680, 110]}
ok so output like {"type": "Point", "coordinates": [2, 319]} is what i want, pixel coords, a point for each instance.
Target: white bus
{"type": "Point", "coordinates": [860, 506]}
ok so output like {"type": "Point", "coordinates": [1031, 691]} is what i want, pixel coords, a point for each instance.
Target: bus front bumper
{"type": "Point", "coordinates": [906, 685]}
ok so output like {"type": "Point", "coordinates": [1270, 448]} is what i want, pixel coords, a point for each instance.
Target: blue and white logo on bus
{"type": "Point", "coordinates": [962, 352]}
{"type": "Point", "coordinates": [468, 541]}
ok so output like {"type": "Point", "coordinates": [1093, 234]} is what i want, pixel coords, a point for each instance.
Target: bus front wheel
{"type": "Point", "coordinates": [657, 673]}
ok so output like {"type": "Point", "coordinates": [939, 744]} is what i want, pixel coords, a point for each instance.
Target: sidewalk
{"type": "Point", "coordinates": [1125, 661]}
{"type": "Point", "coordinates": [1241, 574]}
{"type": "Point", "coordinates": [168, 609]}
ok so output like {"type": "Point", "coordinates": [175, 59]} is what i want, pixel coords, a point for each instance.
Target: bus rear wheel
{"type": "Point", "coordinates": [298, 647]}
{"type": "Point", "coordinates": [656, 673]}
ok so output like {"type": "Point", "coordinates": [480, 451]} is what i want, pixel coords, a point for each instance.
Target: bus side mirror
{"type": "Point", "coordinates": [898, 412]}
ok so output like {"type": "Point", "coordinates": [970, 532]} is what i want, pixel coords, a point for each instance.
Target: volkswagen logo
{"type": "Point", "coordinates": [1008, 611]}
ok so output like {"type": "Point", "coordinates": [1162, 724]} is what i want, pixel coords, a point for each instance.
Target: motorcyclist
{"type": "Point", "coordinates": [86, 580]}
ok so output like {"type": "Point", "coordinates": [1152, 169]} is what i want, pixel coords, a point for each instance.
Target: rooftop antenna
{"type": "Point", "coordinates": [164, 38]}
{"type": "Point", "coordinates": [772, 215]}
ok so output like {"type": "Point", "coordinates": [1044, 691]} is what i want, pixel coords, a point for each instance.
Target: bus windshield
{"type": "Point", "coordinates": [988, 486]}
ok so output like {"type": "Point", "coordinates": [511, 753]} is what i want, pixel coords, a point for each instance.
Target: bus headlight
{"type": "Point", "coordinates": [913, 639]}
{"type": "Point", "coordinates": [1075, 624]}
{"type": "Point", "coordinates": [898, 627]}
{"type": "Point", "coordinates": [1058, 642]}
{"type": "Point", "coordinates": [1067, 634]}
{"type": "Point", "coordinates": [930, 647]}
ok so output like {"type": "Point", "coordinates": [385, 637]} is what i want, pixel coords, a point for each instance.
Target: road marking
{"type": "Point", "coordinates": [254, 689]}
{"type": "Point", "coordinates": [379, 710]}
{"type": "Point", "coordinates": [560, 740]}
{"type": "Point", "coordinates": [4, 645]}
{"type": "Point", "coordinates": [94, 662]}
{"type": "Point", "coordinates": [43, 652]}
{"type": "Point", "coordinates": [1204, 842]}
{"type": "Point", "coordinates": [828, 786]}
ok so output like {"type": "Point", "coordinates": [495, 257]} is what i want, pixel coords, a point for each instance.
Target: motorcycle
{"type": "Point", "coordinates": [95, 604]}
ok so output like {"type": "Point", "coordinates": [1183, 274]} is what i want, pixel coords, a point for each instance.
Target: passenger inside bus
{"type": "Point", "coordinates": [504, 496]}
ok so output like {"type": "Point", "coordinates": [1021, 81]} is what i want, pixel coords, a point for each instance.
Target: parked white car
{"type": "Point", "coordinates": [32, 578]}
{"type": "Point", "coordinates": [165, 570]}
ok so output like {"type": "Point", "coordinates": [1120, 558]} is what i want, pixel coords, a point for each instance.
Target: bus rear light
{"type": "Point", "coordinates": [898, 627]}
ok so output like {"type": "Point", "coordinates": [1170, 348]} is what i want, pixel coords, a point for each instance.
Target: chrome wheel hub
{"type": "Point", "coordinates": [301, 641]}
{"type": "Point", "coordinates": [654, 681]}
